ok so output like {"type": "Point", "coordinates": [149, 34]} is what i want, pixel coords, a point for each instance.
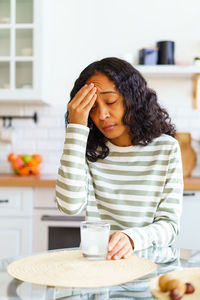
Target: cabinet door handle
{"type": "Point", "coordinates": [188, 194]}
{"type": "Point", "coordinates": [62, 218]}
{"type": "Point", "coordinates": [4, 200]}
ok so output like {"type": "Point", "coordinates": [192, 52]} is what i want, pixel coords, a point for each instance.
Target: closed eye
{"type": "Point", "coordinates": [110, 103]}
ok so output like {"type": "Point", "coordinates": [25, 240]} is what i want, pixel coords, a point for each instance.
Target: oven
{"type": "Point", "coordinates": [53, 229]}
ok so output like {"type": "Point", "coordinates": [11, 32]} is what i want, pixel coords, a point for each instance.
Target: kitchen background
{"type": "Point", "coordinates": [74, 33]}
{"type": "Point", "coordinates": [46, 44]}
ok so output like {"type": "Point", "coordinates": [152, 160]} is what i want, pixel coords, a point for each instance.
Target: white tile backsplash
{"type": "Point", "coordinates": [34, 133]}
{"type": "Point", "coordinates": [47, 136]}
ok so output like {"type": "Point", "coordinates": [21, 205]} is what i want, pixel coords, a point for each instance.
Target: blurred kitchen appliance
{"type": "Point", "coordinates": [148, 56]}
{"type": "Point", "coordinates": [166, 52]}
{"type": "Point", "coordinates": [54, 229]}
{"type": "Point", "coordinates": [189, 157]}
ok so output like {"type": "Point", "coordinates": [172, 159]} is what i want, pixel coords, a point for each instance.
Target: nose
{"type": "Point", "coordinates": [103, 112]}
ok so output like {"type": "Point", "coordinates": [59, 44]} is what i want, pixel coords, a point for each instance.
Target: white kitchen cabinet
{"type": "Point", "coordinates": [20, 53]}
{"type": "Point", "coordinates": [53, 229]}
{"type": "Point", "coordinates": [190, 221]}
{"type": "Point", "coordinates": [15, 236]}
{"type": "Point", "coordinates": [44, 205]}
{"type": "Point", "coordinates": [16, 211]}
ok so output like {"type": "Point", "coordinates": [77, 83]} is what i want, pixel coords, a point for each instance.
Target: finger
{"type": "Point", "coordinates": [80, 95]}
{"type": "Point", "coordinates": [91, 103]}
{"type": "Point", "coordinates": [114, 240]}
{"type": "Point", "coordinates": [128, 253]}
{"type": "Point", "coordinates": [117, 248]}
{"type": "Point", "coordinates": [87, 98]}
{"type": "Point", "coordinates": [121, 252]}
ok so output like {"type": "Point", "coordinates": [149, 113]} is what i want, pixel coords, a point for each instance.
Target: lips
{"type": "Point", "coordinates": [109, 127]}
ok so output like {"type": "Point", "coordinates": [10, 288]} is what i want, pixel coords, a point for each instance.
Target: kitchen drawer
{"type": "Point", "coordinates": [45, 197]}
{"type": "Point", "coordinates": [16, 201]}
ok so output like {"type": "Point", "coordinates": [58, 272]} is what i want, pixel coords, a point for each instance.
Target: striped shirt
{"type": "Point", "coordinates": [137, 189]}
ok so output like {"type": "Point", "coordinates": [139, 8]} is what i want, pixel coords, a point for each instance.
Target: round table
{"type": "Point", "coordinates": [167, 259]}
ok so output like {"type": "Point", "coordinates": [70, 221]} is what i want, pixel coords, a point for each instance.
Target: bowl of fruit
{"type": "Point", "coordinates": [25, 164]}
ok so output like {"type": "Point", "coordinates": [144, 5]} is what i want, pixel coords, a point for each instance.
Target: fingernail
{"type": "Point", "coordinates": [108, 257]}
{"type": "Point", "coordinates": [91, 84]}
{"type": "Point", "coordinates": [116, 257]}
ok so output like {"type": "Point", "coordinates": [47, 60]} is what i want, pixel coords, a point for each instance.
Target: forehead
{"type": "Point", "coordinates": [102, 82]}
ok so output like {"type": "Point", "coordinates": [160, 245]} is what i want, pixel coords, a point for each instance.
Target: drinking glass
{"type": "Point", "coordinates": [94, 239]}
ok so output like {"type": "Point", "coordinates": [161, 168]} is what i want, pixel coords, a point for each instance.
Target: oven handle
{"type": "Point", "coordinates": [62, 218]}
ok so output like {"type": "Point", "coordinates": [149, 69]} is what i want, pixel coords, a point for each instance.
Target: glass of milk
{"type": "Point", "coordinates": [94, 239]}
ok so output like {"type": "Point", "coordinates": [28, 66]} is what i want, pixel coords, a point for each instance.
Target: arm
{"type": "Point", "coordinates": [71, 185]}
{"type": "Point", "coordinates": [165, 226]}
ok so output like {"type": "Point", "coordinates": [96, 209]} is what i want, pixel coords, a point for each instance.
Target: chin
{"type": "Point", "coordinates": [111, 136]}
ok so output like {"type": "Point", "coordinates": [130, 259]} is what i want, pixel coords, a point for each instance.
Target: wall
{"type": "Point", "coordinates": [75, 33]}
{"type": "Point", "coordinates": [46, 137]}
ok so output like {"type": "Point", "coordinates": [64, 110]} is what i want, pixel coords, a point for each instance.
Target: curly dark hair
{"type": "Point", "coordinates": [143, 115]}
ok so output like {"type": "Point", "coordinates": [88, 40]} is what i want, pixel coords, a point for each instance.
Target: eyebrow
{"type": "Point", "coordinates": [107, 92]}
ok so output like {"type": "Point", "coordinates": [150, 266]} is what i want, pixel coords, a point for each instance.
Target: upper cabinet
{"type": "Point", "coordinates": [20, 50]}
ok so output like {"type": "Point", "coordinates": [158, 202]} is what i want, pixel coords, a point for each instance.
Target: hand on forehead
{"type": "Point", "coordinates": [103, 84]}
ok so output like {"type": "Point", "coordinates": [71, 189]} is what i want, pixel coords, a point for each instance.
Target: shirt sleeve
{"type": "Point", "coordinates": [165, 227]}
{"type": "Point", "coordinates": [72, 180]}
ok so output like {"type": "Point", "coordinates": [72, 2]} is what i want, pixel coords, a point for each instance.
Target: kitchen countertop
{"type": "Point", "coordinates": [31, 181]}
{"type": "Point", "coordinates": [168, 259]}
{"type": "Point", "coordinates": [190, 183]}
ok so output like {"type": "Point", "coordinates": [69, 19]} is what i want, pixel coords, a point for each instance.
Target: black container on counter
{"type": "Point", "coordinates": [166, 52]}
{"type": "Point", "coordinates": [148, 56]}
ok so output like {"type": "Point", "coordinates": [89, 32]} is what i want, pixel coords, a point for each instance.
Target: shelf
{"type": "Point", "coordinates": [174, 71]}
{"type": "Point", "coordinates": [166, 70]}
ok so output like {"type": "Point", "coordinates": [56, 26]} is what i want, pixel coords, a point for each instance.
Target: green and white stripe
{"type": "Point", "coordinates": [137, 189]}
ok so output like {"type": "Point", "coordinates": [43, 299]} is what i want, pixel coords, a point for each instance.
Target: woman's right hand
{"type": "Point", "coordinates": [80, 106]}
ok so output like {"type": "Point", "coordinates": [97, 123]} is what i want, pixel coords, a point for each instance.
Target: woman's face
{"type": "Point", "coordinates": [108, 111]}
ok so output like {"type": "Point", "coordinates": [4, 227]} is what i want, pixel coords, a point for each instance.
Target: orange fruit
{"type": "Point", "coordinates": [32, 164]}
{"type": "Point", "coordinates": [35, 171]}
{"type": "Point", "coordinates": [12, 156]}
{"type": "Point", "coordinates": [18, 163]}
{"type": "Point", "coordinates": [24, 171]}
{"type": "Point", "coordinates": [38, 158]}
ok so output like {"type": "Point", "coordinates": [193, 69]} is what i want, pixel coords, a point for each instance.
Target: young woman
{"type": "Point", "coordinates": [120, 159]}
